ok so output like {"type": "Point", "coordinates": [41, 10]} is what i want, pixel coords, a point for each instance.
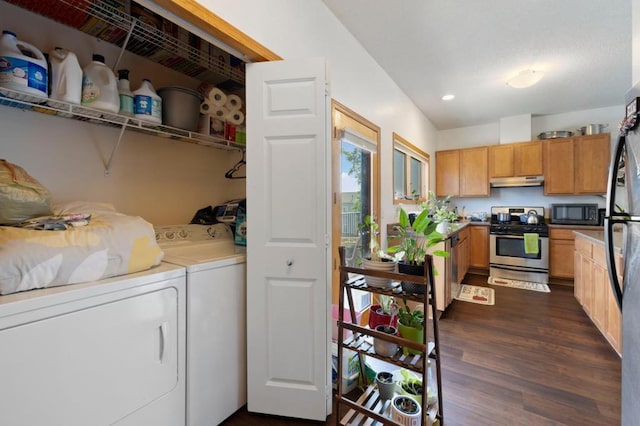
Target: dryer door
{"type": "Point", "coordinates": [91, 365]}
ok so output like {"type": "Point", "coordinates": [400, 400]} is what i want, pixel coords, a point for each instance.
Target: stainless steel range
{"type": "Point", "coordinates": [509, 258]}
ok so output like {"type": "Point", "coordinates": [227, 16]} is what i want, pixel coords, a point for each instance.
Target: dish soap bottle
{"type": "Point", "coordinates": [147, 105]}
{"type": "Point", "coordinates": [99, 86]}
{"type": "Point", "coordinates": [126, 95]}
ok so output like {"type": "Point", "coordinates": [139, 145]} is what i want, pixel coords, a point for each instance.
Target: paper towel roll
{"type": "Point", "coordinates": [233, 103]}
{"type": "Point", "coordinates": [206, 107]}
{"type": "Point", "coordinates": [235, 117]}
{"type": "Point", "coordinates": [216, 96]}
{"type": "Point", "coordinates": [220, 112]}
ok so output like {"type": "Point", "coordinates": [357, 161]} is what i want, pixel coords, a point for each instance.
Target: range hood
{"type": "Point", "coordinates": [508, 182]}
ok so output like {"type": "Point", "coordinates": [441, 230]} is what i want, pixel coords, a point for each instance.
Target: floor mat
{"type": "Point", "coordinates": [475, 294]}
{"type": "Point", "coordinates": [525, 285]}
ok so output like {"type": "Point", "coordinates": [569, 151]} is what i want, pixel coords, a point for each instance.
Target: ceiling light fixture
{"type": "Point", "coordinates": [525, 78]}
{"type": "Point", "coordinates": [448, 97]}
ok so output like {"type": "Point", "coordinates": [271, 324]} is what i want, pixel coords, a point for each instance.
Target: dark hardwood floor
{"type": "Point", "coordinates": [531, 359]}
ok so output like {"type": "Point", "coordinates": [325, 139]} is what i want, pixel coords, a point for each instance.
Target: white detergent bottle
{"type": "Point", "coordinates": [66, 76]}
{"type": "Point", "coordinates": [99, 86]}
{"type": "Point", "coordinates": [23, 68]}
{"type": "Point", "coordinates": [147, 105]}
{"type": "Point", "coordinates": [126, 95]}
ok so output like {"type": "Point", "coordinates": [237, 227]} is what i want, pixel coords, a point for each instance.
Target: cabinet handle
{"type": "Point", "coordinates": [163, 330]}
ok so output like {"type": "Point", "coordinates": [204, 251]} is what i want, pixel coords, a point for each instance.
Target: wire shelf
{"type": "Point", "coordinates": [151, 36]}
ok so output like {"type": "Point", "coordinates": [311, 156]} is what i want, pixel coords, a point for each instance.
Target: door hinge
{"type": "Point", "coordinates": [335, 198]}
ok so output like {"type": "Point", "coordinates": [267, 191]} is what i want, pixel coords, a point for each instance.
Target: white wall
{"type": "Point", "coordinates": [293, 29]}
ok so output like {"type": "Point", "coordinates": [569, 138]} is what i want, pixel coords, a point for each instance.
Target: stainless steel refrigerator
{"type": "Point", "coordinates": [623, 215]}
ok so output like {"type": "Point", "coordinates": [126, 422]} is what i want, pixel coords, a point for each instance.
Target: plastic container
{"type": "Point", "coordinates": [181, 107]}
{"type": "Point", "coordinates": [23, 68]}
{"type": "Point", "coordinates": [147, 105]}
{"type": "Point", "coordinates": [99, 86]}
{"type": "Point", "coordinates": [66, 76]}
{"type": "Point", "coordinates": [125, 93]}
{"type": "Point", "coordinates": [350, 368]}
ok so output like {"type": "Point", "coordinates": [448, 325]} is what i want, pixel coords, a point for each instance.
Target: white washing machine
{"type": "Point", "coordinates": [216, 318]}
{"type": "Point", "coordinates": [108, 352]}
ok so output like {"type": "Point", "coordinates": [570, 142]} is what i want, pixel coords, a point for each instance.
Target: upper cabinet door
{"type": "Point", "coordinates": [448, 173]}
{"type": "Point", "coordinates": [559, 166]}
{"type": "Point", "coordinates": [474, 172]}
{"type": "Point", "coordinates": [592, 156]}
{"type": "Point", "coordinates": [501, 161]}
{"type": "Point", "coordinates": [528, 159]}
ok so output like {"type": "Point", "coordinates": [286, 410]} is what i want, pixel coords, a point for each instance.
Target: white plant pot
{"type": "Point", "coordinates": [378, 266]}
{"type": "Point", "coordinates": [406, 418]}
{"type": "Point", "coordinates": [442, 227]}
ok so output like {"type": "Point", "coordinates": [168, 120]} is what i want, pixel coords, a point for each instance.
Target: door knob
{"type": "Point", "coordinates": [289, 262]}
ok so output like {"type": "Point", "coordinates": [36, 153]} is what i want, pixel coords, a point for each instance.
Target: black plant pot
{"type": "Point", "coordinates": [405, 268]}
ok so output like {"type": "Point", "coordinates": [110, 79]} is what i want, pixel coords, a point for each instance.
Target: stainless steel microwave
{"type": "Point", "coordinates": [575, 214]}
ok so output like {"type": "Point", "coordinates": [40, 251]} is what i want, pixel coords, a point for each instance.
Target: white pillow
{"type": "Point", "coordinates": [83, 207]}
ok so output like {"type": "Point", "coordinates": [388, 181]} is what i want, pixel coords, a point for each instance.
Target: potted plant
{"type": "Point", "coordinates": [416, 237]}
{"type": "Point", "coordinates": [384, 313]}
{"type": "Point", "coordinates": [440, 212]}
{"type": "Point", "coordinates": [410, 326]}
{"type": "Point", "coordinates": [377, 259]}
{"type": "Point", "coordinates": [410, 385]}
{"type": "Point", "coordinates": [384, 347]}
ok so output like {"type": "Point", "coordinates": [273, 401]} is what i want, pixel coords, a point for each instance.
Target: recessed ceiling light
{"type": "Point", "coordinates": [525, 78]}
{"type": "Point", "coordinates": [448, 97]}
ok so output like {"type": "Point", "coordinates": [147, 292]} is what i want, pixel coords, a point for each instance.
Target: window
{"type": "Point", "coordinates": [410, 171]}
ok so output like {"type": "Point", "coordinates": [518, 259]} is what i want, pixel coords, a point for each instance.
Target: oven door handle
{"type": "Point", "coordinates": [513, 237]}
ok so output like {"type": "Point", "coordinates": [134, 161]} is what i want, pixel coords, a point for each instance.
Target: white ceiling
{"type": "Point", "coordinates": [471, 47]}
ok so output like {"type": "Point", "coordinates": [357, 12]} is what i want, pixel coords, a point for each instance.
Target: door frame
{"type": "Point", "coordinates": [342, 117]}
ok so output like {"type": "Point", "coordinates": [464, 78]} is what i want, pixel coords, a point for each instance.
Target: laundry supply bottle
{"type": "Point", "coordinates": [23, 68]}
{"type": "Point", "coordinates": [99, 86]}
{"type": "Point", "coordinates": [126, 95]}
{"type": "Point", "coordinates": [66, 76]}
{"type": "Point", "coordinates": [147, 105]}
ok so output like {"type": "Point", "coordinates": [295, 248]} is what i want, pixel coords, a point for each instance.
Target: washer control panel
{"type": "Point", "coordinates": [176, 233]}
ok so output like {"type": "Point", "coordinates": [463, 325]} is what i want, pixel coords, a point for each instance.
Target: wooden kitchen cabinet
{"type": "Point", "coordinates": [515, 159]}
{"type": "Point", "coordinates": [463, 172]}
{"type": "Point", "coordinates": [479, 246]}
{"type": "Point", "coordinates": [579, 165]}
{"type": "Point", "coordinates": [561, 247]}
{"type": "Point", "coordinates": [448, 173]}
{"type": "Point", "coordinates": [592, 289]}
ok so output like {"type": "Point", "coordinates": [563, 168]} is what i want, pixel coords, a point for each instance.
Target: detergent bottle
{"type": "Point", "coordinates": [124, 90]}
{"type": "Point", "coordinates": [23, 68]}
{"type": "Point", "coordinates": [147, 105]}
{"type": "Point", "coordinates": [99, 86]}
{"type": "Point", "coordinates": [66, 76]}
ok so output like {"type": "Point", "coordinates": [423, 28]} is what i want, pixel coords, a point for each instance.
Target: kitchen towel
{"type": "Point", "coordinates": [531, 243]}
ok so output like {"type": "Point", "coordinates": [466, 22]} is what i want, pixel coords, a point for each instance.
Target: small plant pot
{"type": "Point", "coordinates": [405, 268]}
{"type": "Point", "coordinates": [386, 385]}
{"type": "Point", "coordinates": [378, 265]}
{"type": "Point", "coordinates": [384, 347]}
{"type": "Point", "coordinates": [410, 389]}
{"type": "Point", "coordinates": [378, 318]}
{"type": "Point", "coordinates": [410, 333]}
{"type": "Point", "coordinates": [405, 410]}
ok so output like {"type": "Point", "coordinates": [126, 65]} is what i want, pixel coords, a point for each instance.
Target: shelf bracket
{"type": "Point", "coordinates": [124, 46]}
{"type": "Point", "coordinates": [107, 170]}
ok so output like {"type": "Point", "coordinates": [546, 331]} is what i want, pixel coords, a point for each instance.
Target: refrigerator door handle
{"type": "Point", "coordinates": [616, 288]}
{"type": "Point", "coordinates": [611, 218]}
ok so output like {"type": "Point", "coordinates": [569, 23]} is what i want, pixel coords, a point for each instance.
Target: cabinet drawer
{"type": "Point", "coordinates": [561, 234]}
{"type": "Point", "coordinates": [583, 246]}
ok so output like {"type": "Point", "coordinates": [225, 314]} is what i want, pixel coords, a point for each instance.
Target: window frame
{"type": "Point", "coordinates": [410, 151]}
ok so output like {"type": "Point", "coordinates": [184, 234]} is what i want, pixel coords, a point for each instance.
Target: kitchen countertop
{"type": "Point", "coordinates": [597, 237]}
{"type": "Point", "coordinates": [453, 228]}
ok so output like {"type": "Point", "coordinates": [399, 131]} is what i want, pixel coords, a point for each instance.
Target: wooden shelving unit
{"type": "Point", "coordinates": [369, 409]}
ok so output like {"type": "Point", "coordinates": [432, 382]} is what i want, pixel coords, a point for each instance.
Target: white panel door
{"type": "Point", "coordinates": [288, 280]}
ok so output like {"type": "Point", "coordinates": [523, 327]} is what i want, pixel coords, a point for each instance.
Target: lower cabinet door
{"type": "Point", "coordinates": [91, 366]}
